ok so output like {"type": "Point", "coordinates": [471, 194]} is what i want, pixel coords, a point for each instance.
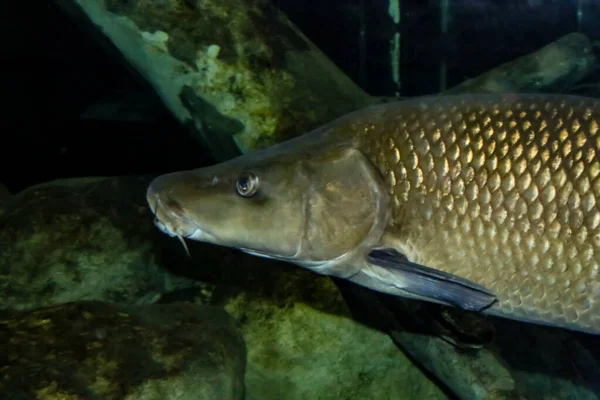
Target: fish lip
{"type": "Point", "coordinates": [186, 229]}
{"type": "Point", "coordinates": [196, 234]}
{"type": "Point", "coordinates": [174, 222]}
{"type": "Point", "coordinates": [163, 227]}
{"type": "Point", "coordinates": [202, 236]}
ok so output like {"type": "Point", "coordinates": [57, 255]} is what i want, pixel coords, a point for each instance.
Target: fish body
{"type": "Point", "coordinates": [484, 202]}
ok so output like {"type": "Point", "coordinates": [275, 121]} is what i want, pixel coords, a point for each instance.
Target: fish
{"type": "Point", "coordinates": [484, 202]}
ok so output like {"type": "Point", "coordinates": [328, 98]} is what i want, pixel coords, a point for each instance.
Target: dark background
{"type": "Point", "coordinates": [52, 71]}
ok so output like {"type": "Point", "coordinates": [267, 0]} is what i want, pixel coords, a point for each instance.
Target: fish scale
{"type": "Point", "coordinates": [501, 192]}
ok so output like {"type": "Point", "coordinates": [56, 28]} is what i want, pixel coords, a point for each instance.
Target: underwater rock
{"type": "Point", "coordinates": [471, 375]}
{"type": "Point", "coordinates": [554, 67]}
{"type": "Point", "coordinates": [81, 239]}
{"type": "Point", "coordinates": [461, 362]}
{"type": "Point", "coordinates": [93, 238]}
{"type": "Point", "coordinates": [519, 361]}
{"type": "Point", "coordinates": [550, 363]}
{"type": "Point", "coordinates": [90, 350]}
{"type": "Point", "coordinates": [238, 73]}
{"type": "Point", "coordinates": [302, 342]}
{"type": "Point", "coordinates": [524, 360]}
{"type": "Point", "coordinates": [291, 346]}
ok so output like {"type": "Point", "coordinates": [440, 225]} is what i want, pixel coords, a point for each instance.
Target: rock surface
{"type": "Point", "coordinates": [92, 350]}
{"type": "Point", "coordinates": [302, 341]}
{"type": "Point", "coordinates": [94, 239]}
{"type": "Point", "coordinates": [296, 351]}
{"type": "Point", "coordinates": [81, 239]}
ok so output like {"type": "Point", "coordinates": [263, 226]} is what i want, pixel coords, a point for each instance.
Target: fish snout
{"type": "Point", "coordinates": [169, 216]}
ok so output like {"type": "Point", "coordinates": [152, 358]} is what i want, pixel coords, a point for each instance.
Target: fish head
{"type": "Point", "coordinates": [306, 207]}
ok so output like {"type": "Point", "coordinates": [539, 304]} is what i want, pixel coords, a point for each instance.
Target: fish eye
{"type": "Point", "coordinates": [247, 185]}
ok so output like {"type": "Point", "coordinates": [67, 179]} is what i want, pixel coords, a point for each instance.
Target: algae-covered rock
{"type": "Point", "coordinates": [299, 352]}
{"type": "Point", "coordinates": [301, 338]}
{"type": "Point", "coordinates": [238, 73]}
{"type": "Point", "coordinates": [303, 344]}
{"type": "Point", "coordinates": [81, 239]}
{"type": "Point", "coordinates": [92, 350]}
{"type": "Point", "coordinates": [454, 346]}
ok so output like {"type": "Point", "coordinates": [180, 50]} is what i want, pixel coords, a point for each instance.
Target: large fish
{"type": "Point", "coordinates": [483, 202]}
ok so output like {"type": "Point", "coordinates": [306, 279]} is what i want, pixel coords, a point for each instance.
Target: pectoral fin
{"type": "Point", "coordinates": [431, 283]}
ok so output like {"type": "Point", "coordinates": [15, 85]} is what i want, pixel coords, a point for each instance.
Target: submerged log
{"type": "Point", "coordinates": [238, 73]}
{"type": "Point", "coordinates": [555, 67]}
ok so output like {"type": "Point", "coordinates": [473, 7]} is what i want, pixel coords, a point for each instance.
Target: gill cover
{"type": "Point", "coordinates": [346, 209]}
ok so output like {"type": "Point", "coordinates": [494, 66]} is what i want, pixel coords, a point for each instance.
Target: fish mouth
{"type": "Point", "coordinates": [171, 230]}
{"type": "Point", "coordinates": [171, 219]}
